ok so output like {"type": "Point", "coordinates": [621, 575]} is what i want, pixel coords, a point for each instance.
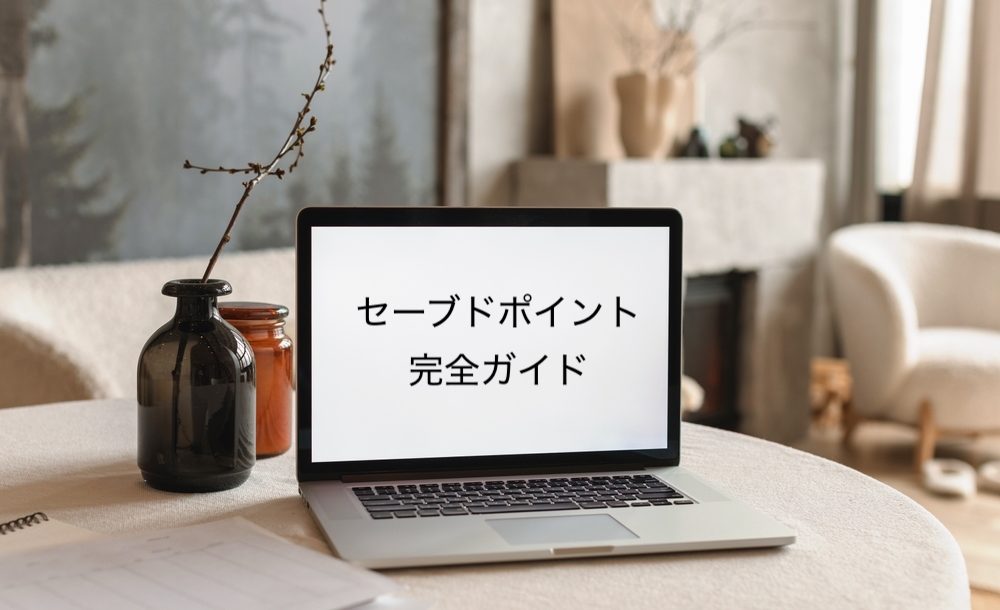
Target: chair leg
{"type": "Point", "coordinates": [928, 436]}
{"type": "Point", "coordinates": [849, 421]}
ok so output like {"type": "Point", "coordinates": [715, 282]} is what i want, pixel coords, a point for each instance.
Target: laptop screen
{"type": "Point", "coordinates": [459, 341]}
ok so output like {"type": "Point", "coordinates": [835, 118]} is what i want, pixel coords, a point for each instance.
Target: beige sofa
{"type": "Point", "coordinates": [75, 332]}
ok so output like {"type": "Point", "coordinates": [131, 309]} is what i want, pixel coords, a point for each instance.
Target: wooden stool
{"type": "Point", "coordinates": [830, 392]}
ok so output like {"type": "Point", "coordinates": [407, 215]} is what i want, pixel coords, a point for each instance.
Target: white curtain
{"type": "Point", "coordinates": [957, 163]}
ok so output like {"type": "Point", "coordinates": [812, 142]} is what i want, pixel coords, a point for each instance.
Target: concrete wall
{"type": "Point", "coordinates": [792, 73]}
{"type": "Point", "coordinates": [509, 92]}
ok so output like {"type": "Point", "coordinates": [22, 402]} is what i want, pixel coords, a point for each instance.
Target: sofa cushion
{"type": "Point", "coordinates": [75, 331]}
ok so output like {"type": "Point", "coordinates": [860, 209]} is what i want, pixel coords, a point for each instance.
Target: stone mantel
{"type": "Point", "coordinates": [744, 215]}
{"type": "Point", "coordinates": [738, 214]}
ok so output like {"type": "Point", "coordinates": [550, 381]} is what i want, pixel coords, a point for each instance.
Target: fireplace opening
{"type": "Point", "coordinates": [712, 345]}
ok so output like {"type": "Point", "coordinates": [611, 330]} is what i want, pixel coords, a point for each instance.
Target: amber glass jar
{"type": "Point", "coordinates": [263, 325]}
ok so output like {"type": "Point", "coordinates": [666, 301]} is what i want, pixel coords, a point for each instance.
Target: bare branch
{"type": "Point", "coordinates": [632, 45]}
{"type": "Point", "coordinates": [738, 28]}
{"type": "Point", "coordinates": [675, 32]}
{"type": "Point", "coordinates": [304, 124]}
{"type": "Point", "coordinates": [676, 23]}
{"type": "Point", "coordinates": [694, 11]}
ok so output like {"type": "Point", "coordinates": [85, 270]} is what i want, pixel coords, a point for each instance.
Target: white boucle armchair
{"type": "Point", "coordinates": [918, 310]}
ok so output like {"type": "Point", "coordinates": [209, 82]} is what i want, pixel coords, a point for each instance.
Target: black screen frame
{"type": "Point", "coordinates": [309, 218]}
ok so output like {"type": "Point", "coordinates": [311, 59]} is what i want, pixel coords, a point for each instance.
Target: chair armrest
{"type": "Point", "coordinates": [34, 369]}
{"type": "Point", "coordinates": [877, 317]}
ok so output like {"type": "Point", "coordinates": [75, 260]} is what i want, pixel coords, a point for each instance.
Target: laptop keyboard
{"type": "Point", "coordinates": [454, 498]}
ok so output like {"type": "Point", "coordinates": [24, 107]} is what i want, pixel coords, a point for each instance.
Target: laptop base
{"type": "Point", "coordinates": [713, 522]}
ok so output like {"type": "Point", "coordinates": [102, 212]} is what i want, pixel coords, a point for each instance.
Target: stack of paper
{"type": "Point", "coordinates": [225, 564]}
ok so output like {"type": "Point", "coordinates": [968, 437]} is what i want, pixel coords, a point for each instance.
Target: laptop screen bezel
{"type": "Point", "coordinates": [310, 218]}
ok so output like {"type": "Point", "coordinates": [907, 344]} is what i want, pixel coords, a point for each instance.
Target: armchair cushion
{"type": "Point", "coordinates": [958, 370]}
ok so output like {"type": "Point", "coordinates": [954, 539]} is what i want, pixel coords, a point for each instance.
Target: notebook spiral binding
{"type": "Point", "coordinates": [21, 523]}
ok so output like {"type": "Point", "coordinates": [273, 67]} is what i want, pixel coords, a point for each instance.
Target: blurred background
{"type": "Point", "coordinates": [432, 100]}
{"type": "Point", "coordinates": [120, 93]}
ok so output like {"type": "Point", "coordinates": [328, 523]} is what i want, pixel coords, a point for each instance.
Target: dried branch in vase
{"type": "Point", "coordinates": [305, 123]}
{"type": "Point", "coordinates": [671, 48]}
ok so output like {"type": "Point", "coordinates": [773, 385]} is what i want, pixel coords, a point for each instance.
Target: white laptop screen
{"type": "Point", "coordinates": [435, 342]}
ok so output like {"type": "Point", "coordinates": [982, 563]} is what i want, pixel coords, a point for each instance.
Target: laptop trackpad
{"type": "Point", "coordinates": [571, 528]}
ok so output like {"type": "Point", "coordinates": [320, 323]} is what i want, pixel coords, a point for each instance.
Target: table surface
{"type": "Point", "coordinates": [860, 543]}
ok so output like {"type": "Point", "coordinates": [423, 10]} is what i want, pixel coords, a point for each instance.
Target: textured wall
{"type": "Point", "coordinates": [510, 93]}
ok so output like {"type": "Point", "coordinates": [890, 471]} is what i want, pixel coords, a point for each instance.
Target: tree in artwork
{"type": "Point", "coordinates": [62, 219]}
{"type": "Point", "coordinates": [405, 63]}
{"type": "Point", "coordinates": [257, 33]}
{"type": "Point", "coordinates": [15, 203]}
{"type": "Point", "coordinates": [67, 225]}
{"type": "Point", "coordinates": [385, 179]}
{"type": "Point", "coordinates": [341, 188]}
{"type": "Point", "coordinates": [151, 78]}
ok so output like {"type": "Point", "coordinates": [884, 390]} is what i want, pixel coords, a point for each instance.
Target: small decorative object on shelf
{"type": "Point", "coordinates": [758, 136]}
{"type": "Point", "coordinates": [263, 325]}
{"type": "Point", "coordinates": [753, 140]}
{"type": "Point", "coordinates": [696, 146]}
{"type": "Point", "coordinates": [196, 374]}
{"type": "Point", "coordinates": [733, 147]}
{"type": "Point", "coordinates": [196, 396]}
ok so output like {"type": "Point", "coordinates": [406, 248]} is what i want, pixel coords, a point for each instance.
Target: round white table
{"type": "Point", "coordinates": [860, 543]}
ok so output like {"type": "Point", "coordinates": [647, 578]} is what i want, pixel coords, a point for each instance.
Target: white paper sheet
{"type": "Point", "coordinates": [224, 564]}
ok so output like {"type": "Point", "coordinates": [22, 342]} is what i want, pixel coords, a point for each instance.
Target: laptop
{"type": "Point", "coordinates": [499, 384]}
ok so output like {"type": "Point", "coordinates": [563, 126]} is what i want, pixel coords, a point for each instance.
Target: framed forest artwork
{"type": "Point", "coordinates": [113, 95]}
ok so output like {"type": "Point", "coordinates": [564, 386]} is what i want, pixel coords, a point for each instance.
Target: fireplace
{"type": "Point", "coordinates": [761, 218]}
{"type": "Point", "coordinates": [712, 345]}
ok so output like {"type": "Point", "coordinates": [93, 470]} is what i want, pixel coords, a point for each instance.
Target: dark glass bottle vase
{"type": "Point", "coordinates": [196, 396]}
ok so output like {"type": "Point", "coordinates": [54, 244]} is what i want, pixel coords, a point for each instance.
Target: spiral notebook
{"type": "Point", "coordinates": [38, 531]}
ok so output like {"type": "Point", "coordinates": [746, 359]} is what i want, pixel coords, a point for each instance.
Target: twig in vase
{"type": "Point", "coordinates": [633, 46]}
{"type": "Point", "coordinates": [734, 30]}
{"type": "Point", "coordinates": [674, 49]}
{"type": "Point", "coordinates": [305, 123]}
{"type": "Point", "coordinates": [678, 32]}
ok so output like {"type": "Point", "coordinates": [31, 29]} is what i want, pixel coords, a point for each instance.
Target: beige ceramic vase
{"type": "Point", "coordinates": [647, 119]}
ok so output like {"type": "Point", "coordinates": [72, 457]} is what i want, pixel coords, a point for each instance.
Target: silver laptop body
{"type": "Point", "coordinates": [498, 384]}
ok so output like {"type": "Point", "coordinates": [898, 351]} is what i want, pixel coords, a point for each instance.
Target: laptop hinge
{"type": "Point", "coordinates": [466, 473]}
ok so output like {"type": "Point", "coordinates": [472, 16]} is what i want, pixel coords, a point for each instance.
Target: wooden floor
{"type": "Point", "coordinates": [885, 452]}
{"type": "Point", "coordinates": [985, 600]}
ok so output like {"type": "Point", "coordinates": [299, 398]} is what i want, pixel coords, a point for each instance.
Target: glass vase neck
{"type": "Point", "coordinates": [197, 300]}
{"type": "Point", "coordinates": [196, 308]}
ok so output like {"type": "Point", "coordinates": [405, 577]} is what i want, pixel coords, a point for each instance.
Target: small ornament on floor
{"type": "Point", "coordinates": [949, 477]}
